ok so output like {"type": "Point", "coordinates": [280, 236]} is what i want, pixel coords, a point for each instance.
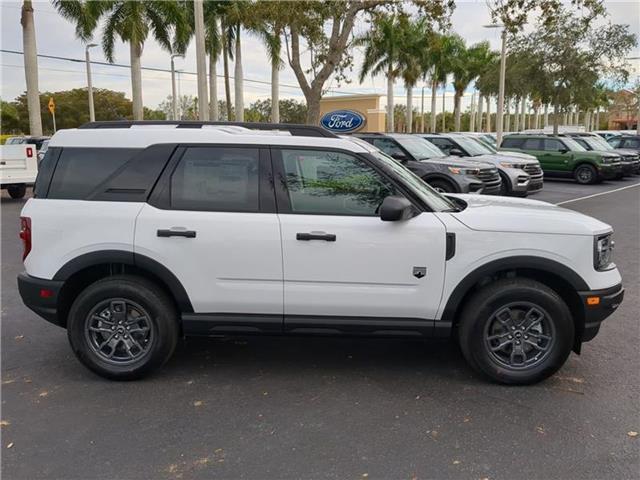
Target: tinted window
{"type": "Point", "coordinates": [512, 143]}
{"type": "Point", "coordinates": [615, 142]}
{"type": "Point", "coordinates": [419, 147]}
{"type": "Point", "coordinates": [553, 145]}
{"type": "Point", "coordinates": [80, 170]}
{"type": "Point", "coordinates": [442, 143]}
{"type": "Point", "coordinates": [631, 143]}
{"type": "Point", "coordinates": [332, 183]}
{"type": "Point", "coordinates": [532, 144]}
{"type": "Point", "coordinates": [388, 146]}
{"type": "Point", "coordinates": [216, 179]}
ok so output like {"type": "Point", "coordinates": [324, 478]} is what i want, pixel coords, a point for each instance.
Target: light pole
{"type": "Point", "coordinates": [179, 107]}
{"type": "Point", "coordinates": [503, 65]}
{"type": "Point", "coordinates": [174, 102]}
{"type": "Point", "coordinates": [92, 111]}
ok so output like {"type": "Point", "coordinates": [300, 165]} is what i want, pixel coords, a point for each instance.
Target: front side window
{"type": "Point", "coordinates": [420, 148]}
{"type": "Point", "coordinates": [216, 179]}
{"type": "Point", "coordinates": [333, 183]}
{"type": "Point", "coordinates": [615, 142]}
{"type": "Point", "coordinates": [553, 145]}
{"type": "Point", "coordinates": [389, 147]}
{"type": "Point", "coordinates": [631, 143]}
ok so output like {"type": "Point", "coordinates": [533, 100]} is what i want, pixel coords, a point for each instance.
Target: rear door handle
{"type": "Point", "coordinates": [327, 237]}
{"type": "Point", "coordinates": [177, 233]}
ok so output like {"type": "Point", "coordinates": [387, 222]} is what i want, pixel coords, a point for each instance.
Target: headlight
{"type": "Point", "coordinates": [603, 252]}
{"type": "Point", "coordinates": [464, 171]}
{"type": "Point", "coordinates": [610, 159]}
{"type": "Point", "coordinates": [512, 165]}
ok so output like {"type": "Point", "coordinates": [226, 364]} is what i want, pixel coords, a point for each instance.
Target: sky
{"type": "Point", "coordinates": [55, 36]}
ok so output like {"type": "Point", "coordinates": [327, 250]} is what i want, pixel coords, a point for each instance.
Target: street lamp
{"type": "Point", "coordinates": [174, 102]}
{"type": "Point", "coordinates": [503, 63]}
{"type": "Point", "coordinates": [92, 112]}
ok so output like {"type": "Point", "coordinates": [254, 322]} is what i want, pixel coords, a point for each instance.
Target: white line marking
{"type": "Point", "coordinates": [598, 194]}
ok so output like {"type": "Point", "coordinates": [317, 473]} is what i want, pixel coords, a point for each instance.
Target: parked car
{"type": "Point", "coordinates": [607, 134]}
{"type": "Point", "coordinates": [484, 137]}
{"type": "Point", "coordinates": [594, 142]}
{"type": "Point", "coordinates": [138, 236]}
{"type": "Point", "coordinates": [18, 168]}
{"type": "Point", "coordinates": [520, 175]}
{"type": "Point", "coordinates": [629, 142]}
{"type": "Point", "coordinates": [443, 173]}
{"type": "Point", "coordinates": [564, 157]}
{"type": "Point", "coordinates": [25, 139]}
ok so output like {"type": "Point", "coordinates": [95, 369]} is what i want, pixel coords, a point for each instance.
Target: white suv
{"type": "Point", "coordinates": [140, 233]}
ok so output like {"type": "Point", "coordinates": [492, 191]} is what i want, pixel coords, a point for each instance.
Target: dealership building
{"type": "Point", "coordinates": [353, 113]}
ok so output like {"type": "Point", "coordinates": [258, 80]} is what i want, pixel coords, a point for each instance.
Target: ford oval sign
{"type": "Point", "coordinates": [342, 121]}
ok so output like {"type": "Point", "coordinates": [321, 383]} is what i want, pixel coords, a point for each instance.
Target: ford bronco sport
{"type": "Point", "coordinates": [138, 236]}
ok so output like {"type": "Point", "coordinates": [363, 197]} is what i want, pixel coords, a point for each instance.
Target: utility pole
{"type": "Point", "coordinates": [201, 61]}
{"type": "Point", "coordinates": [174, 100]}
{"type": "Point", "coordinates": [503, 67]}
{"type": "Point", "coordinates": [31, 68]}
{"type": "Point", "coordinates": [92, 111]}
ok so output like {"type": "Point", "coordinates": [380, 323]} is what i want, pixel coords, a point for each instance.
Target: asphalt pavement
{"type": "Point", "coordinates": [288, 408]}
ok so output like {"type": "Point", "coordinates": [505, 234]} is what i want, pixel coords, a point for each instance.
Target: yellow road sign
{"type": "Point", "coordinates": [52, 105]}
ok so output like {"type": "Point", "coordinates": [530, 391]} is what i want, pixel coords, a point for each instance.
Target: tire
{"type": "Point", "coordinates": [17, 191]}
{"type": "Point", "coordinates": [442, 186]}
{"type": "Point", "coordinates": [505, 186]}
{"type": "Point", "coordinates": [585, 174]}
{"type": "Point", "coordinates": [94, 318]}
{"type": "Point", "coordinates": [485, 323]}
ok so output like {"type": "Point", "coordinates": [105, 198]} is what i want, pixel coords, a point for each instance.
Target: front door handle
{"type": "Point", "coordinates": [177, 233]}
{"type": "Point", "coordinates": [327, 237]}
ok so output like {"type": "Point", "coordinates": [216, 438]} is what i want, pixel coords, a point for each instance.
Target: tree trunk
{"type": "Point", "coordinates": [472, 113]}
{"type": "Point", "coordinates": [313, 107]}
{"type": "Point", "coordinates": [432, 123]}
{"type": "Point", "coordinates": [390, 103]}
{"type": "Point", "coordinates": [201, 60]}
{"type": "Point", "coordinates": [136, 81]}
{"type": "Point", "coordinates": [545, 118]}
{"type": "Point", "coordinates": [507, 117]}
{"type": "Point", "coordinates": [213, 89]}
{"type": "Point", "coordinates": [444, 126]}
{"type": "Point", "coordinates": [238, 81]}
{"type": "Point", "coordinates": [225, 66]}
{"type": "Point", "coordinates": [488, 114]}
{"type": "Point", "coordinates": [516, 117]}
{"type": "Point", "coordinates": [556, 118]}
{"type": "Point", "coordinates": [597, 119]}
{"type": "Point", "coordinates": [480, 108]}
{"type": "Point", "coordinates": [275, 92]}
{"type": "Point", "coordinates": [523, 113]}
{"type": "Point", "coordinates": [409, 108]}
{"type": "Point", "coordinates": [457, 100]}
{"type": "Point", "coordinates": [31, 68]}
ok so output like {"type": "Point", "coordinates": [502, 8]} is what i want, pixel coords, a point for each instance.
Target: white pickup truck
{"type": "Point", "coordinates": [18, 168]}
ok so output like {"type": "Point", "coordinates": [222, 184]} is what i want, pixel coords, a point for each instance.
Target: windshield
{"type": "Point", "coordinates": [419, 147]}
{"type": "Point", "coordinates": [437, 202]}
{"type": "Point", "coordinates": [472, 146]}
{"type": "Point", "coordinates": [573, 145]}
{"type": "Point", "coordinates": [598, 143]}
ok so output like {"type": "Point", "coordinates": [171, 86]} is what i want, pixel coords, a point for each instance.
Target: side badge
{"type": "Point", "coordinates": [419, 272]}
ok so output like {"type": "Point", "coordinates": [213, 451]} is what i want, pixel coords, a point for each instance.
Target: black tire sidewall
{"type": "Point", "coordinates": [153, 300]}
{"type": "Point", "coordinates": [442, 184]}
{"type": "Point", "coordinates": [17, 191]}
{"type": "Point", "coordinates": [492, 301]}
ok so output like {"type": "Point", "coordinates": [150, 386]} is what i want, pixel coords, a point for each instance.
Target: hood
{"type": "Point", "coordinates": [452, 161]}
{"type": "Point", "coordinates": [605, 153]}
{"type": "Point", "coordinates": [626, 152]}
{"type": "Point", "coordinates": [508, 214]}
{"type": "Point", "coordinates": [518, 156]}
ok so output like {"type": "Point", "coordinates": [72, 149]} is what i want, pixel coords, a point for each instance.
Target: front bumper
{"type": "Point", "coordinates": [41, 296]}
{"type": "Point", "coordinates": [630, 168]}
{"type": "Point", "coordinates": [598, 305]}
{"type": "Point", "coordinates": [610, 171]}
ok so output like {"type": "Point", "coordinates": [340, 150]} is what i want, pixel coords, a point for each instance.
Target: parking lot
{"type": "Point", "coordinates": [258, 408]}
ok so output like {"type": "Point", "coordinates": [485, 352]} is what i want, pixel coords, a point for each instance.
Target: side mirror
{"type": "Point", "coordinates": [456, 152]}
{"type": "Point", "coordinates": [395, 208]}
{"type": "Point", "coordinates": [401, 157]}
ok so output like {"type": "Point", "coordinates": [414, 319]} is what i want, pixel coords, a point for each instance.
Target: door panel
{"type": "Point", "coordinates": [340, 260]}
{"type": "Point", "coordinates": [211, 232]}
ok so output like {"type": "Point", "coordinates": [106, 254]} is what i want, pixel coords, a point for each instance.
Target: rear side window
{"type": "Point", "coordinates": [80, 170]}
{"type": "Point", "coordinates": [532, 144]}
{"type": "Point", "coordinates": [217, 179]}
{"type": "Point", "coordinates": [512, 143]}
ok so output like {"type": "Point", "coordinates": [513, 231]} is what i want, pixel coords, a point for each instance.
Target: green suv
{"type": "Point", "coordinates": [564, 157]}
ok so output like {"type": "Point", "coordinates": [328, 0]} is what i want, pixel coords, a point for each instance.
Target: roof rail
{"type": "Point", "coordinates": [296, 130]}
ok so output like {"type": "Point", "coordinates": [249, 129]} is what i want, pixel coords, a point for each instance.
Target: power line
{"type": "Point", "coordinates": [157, 69]}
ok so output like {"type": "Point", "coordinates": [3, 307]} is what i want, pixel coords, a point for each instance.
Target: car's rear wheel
{"type": "Point", "coordinates": [441, 186]}
{"type": "Point", "coordinates": [585, 174]}
{"type": "Point", "coordinates": [123, 327]}
{"type": "Point", "coordinates": [516, 331]}
{"type": "Point", "coordinates": [17, 191]}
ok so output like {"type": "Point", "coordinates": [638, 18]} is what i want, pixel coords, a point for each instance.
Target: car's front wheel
{"type": "Point", "coordinates": [585, 174]}
{"type": "Point", "coordinates": [17, 191]}
{"type": "Point", "coordinates": [441, 186]}
{"type": "Point", "coordinates": [516, 331]}
{"type": "Point", "coordinates": [123, 327]}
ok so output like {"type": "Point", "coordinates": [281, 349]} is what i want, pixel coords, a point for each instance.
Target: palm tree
{"type": "Point", "coordinates": [439, 63]}
{"type": "Point", "coordinates": [131, 21]}
{"type": "Point", "coordinates": [467, 66]}
{"type": "Point", "coordinates": [271, 36]}
{"type": "Point", "coordinates": [382, 45]}
{"type": "Point", "coordinates": [31, 68]}
{"type": "Point", "coordinates": [414, 38]}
